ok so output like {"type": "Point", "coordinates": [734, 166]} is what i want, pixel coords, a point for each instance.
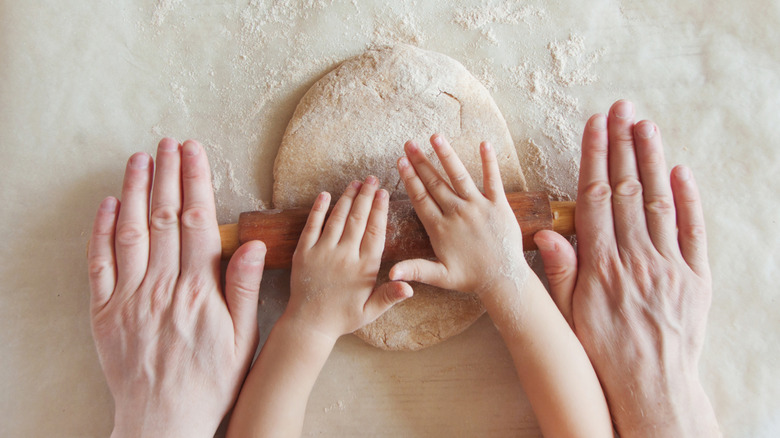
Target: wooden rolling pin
{"type": "Point", "coordinates": [406, 236]}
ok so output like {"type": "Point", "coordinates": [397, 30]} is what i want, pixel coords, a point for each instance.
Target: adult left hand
{"type": "Point", "coordinates": [173, 347]}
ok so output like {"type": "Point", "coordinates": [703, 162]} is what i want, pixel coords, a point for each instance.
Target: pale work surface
{"type": "Point", "coordinates": [85, 84]}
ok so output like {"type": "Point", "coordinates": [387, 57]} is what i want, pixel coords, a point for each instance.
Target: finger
{"type": "Point", "coordinates": [690, 221]}
{"type": "Point", "coordinates": [494, 188]}
{"type": "Point", "coordinates": [384, 297]}
{"type": "Point", "coordinates": [560, 266]}
{"type": "Point", "coordinates": [355, 226]}
{"type": "Point", "coordinates": [422, 271]}
{"type": "Point", "coordinates": [427, 209]}
{"type": "Point", "coordinates": [100, 255]}
{"type": "Point", "coordinates": [627, 201]}
{"type": "Point", "coordinates": [593, 215]}
{"type": "Point", "coordinates": [334, 227]}
{"type": "Point", "coordinates": [313, 228]}
{"type": "Point", "coordinates": [459, 177]}
{"type": "Point", "coordinates": [200, 246]}
{"type": "Point", "coordinates": [438, 188]}
{"type": "Point", "coordinates": [373, 243]}
{"type": "Point", "coordinates": [164, 246]}
{"type": "Point", "coordinates": [242, 289]}
{"type": "Point", "coordinates": [132, 226]}
{"type": "Point", "coordinates": [659, 204]}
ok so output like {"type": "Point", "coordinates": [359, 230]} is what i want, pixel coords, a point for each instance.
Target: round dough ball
{"type": "Point", "coordinates": [354, 122]}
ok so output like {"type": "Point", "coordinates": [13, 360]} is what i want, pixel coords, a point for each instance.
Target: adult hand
{"type": "Point", "coordinates": [638, 290]}
{"type": "Point", "coordinates": [173, 348]}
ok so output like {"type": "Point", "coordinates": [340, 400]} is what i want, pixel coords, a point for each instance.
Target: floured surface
{"type": "Point", "coordinates": [85, 84]}
{"type": "Point", "coordinates": [354, 121]}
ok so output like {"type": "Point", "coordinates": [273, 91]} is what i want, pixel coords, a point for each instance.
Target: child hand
{"type": "Point", "coordinates": [335, 267]}
{"type": "Point", "coordinates": [475, 236]}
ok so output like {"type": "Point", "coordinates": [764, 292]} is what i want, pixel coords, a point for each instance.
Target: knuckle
{"type": "Point", "coordinates": [624, 138]}
{"type": "Point", "coordinates": [194, 171]}
{"type": "Point", "coordinates": [196, 218]}
{"type": "Point", "coordinates": [336, 217]}
{"type": "Point", "coordinates": [164, 218]}
{"type": "Point", "coordinates": [357, 216]}
{"type": "Point", "coordinates": [130, 233]}
{"type": "Point", "coordinates": [694, 232]}
{"type": "Point", "coordinates": [653, 157]}
{"type": "Point", "coordinates": [97, 266]}
{"type": "Point", "coordinates": [445, 152]}
{"type": "Point", "coordinates": [462, 176]}
{"type": "Point", "coordinates": [310, 229]}
{"type": "Point", "coordinates": [628, 188]}
{"type": "Point", "coordinates": [597, 151]}
{"type": "Point", "coordinates": [134, 185]}
{"type": "Point", "coordinates": [374, 231]}
{"type": "Point", "coordinates": [598, 192]}
{"type": "Point", "coordinates": [659, 205]}
{"type": "Point", "coordinates": [434, 183]}
{"type": "Point", "coordinates": [420, 196]}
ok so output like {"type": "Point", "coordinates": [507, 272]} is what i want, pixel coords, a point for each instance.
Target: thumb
{"type": "Point", "coordinates": [384, 297]}
{"type": "Point", "coordinates": [242, 288]}
{"type": "Point", "coordinates": [421, 271]}
{"type": "Point", "coordinates": [560, 266]}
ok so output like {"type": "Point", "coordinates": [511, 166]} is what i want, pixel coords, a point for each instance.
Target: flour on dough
{"type": "Point", "coordinates": [354, 121]}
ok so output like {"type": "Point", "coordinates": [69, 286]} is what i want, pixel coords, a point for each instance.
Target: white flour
{"type": "Point", "coordinates": [271, 62]}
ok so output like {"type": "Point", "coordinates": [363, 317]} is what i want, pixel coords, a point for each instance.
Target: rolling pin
{"type": "Point", "coordinates": [406, 237]}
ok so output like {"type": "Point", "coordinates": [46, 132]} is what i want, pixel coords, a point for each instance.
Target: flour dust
{"type": "Point", "coordinates": [235, 84]}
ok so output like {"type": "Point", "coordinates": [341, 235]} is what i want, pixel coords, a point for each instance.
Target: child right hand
{"type": "Point", "coordinates": [335, 267]}
{"type": "Point", "coordinates": [476, 237]}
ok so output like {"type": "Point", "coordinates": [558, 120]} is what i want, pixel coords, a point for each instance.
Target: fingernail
{"type": "Point", "coordinates": [382, 194]}
{"type": "Point", "coordinates": [598, 123]}
{"type": "Point", "coordinates": [645, 130]}
{"type": "Point", "coordinates": [683, 173]}
{"type": "Point", "coordinates": [190, 149]}
{"type": "Point", "coordinates": [396, 274]}
{"type": "Point", "coordinates": [411, 146]}
{"type": "Point", "coordinates": [139, 161]}
{"type": "Point", "coordinates": [624, 109]}
{"type": "Point", "coordinates": [356, 185]}
{"type": "Point", "coordinates": [546, 245]}
{"type": "Point", "coordinates": [322, 199]}
{"type": "Point", "coordinates": [108, 205]}
{"type": "Point", "coordinates": [255, 258]}
{"type": "Point", "coordinates": [403, 293]}
{"type": "Point", "coordinates": [403, 163]}
{"type": "Point", "coordinates": [371, 180]}
{"type": "Point", "coordinates": [168, 145]}
{"type": "Point", "coordinates": [437, 140]}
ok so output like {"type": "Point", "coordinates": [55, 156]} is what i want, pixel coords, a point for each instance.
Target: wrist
{"type": "Point", "coordinates": [307, 333]}
{"type": "Point", "coordinates": [673, 407]}
{"type": "Point", "coordinates": [157, 422]}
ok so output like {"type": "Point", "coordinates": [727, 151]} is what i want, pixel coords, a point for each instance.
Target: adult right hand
{"type": "Point", "coordinates": [638, 290]}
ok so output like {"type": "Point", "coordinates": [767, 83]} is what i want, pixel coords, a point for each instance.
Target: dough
{"type": "Point", "coordinates": [354, 121]}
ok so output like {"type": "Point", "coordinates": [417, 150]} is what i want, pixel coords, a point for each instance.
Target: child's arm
{"type": "Point", "coordinates": [331, 293]}
{"type": "Point", "coordinates": [478, 244]}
